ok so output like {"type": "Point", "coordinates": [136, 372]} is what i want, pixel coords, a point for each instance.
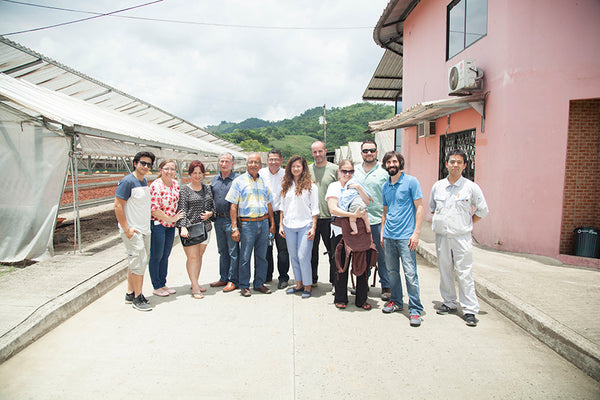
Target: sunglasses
{"type": "Point", "coordinates": [145, 163]}
{"type": "Point", "coordinates": [347, 171]}
{"type": "Point", "coordinates": [365, 151]}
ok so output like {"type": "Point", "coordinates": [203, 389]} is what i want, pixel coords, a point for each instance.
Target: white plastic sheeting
{"type": "Point", "coordinates": [87, 119]}
{"type": "Point", "coordinates": [95, 146]}
{"type": "Point", "coordinates": [20, 62]}
{"type": "Point", "coordinates": [351, 152]}
{"type": "Point", "coordinates": [385, 142]}
{"type": "Point", "coordinates": [34, 160]}
{"type": "Point", "coordinates": [36, 127]}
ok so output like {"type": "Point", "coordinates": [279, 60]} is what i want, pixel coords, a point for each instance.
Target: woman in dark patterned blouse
{"type": "Point", "coordinates": [196, 201]}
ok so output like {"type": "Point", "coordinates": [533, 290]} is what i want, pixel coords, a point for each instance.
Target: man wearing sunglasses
{"type": "Point", "coordinates": [372, 175]}
{"type": "Point", "coordinates": [132, 209]}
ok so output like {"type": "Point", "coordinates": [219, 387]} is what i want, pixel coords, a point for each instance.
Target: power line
{"type": "Point", "coordinates": [96, 14]}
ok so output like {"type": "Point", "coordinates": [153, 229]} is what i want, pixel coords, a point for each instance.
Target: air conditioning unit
{"type": "Point", "coordinates": [426, 129]}
{"type": "Point", "coordinates": [464, 78]}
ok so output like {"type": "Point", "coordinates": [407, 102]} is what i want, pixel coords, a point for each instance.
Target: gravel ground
{"type": "Point", "coordinates": [93, 228]}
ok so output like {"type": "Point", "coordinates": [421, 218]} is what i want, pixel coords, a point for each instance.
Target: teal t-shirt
{"type": "Point", "coordinates": [373, 181]}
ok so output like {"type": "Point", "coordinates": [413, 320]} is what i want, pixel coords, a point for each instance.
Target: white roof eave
{"type": "Point", "coordinates": [89, 119]}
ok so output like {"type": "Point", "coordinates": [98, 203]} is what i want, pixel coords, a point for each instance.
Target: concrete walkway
{"type": "Point", "coordinates": [555, 303]}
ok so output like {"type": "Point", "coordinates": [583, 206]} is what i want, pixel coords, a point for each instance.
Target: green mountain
{"type": "Point", "coordinates": [295, 135]}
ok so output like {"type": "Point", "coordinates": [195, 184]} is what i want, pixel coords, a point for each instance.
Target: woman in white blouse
{"type": "Point", "coordinates": [298, 216]}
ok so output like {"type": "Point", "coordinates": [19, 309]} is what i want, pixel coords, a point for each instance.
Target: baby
{"type": "Point", "coordinates": [351, 201]}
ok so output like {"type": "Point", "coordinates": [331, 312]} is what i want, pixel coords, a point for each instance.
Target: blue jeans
{"type": "Point", "coordinates": [395, 250]}
{"type": "Point", "coordinates": [383, 274]}
{"type": "Point", "coordinates": [254, 236]}
{"type": "Point", "coordinates": [229, 251]}
{"type": "Point", "coordinates": [161, 243]}
{"type": "Point", "coordinates": [300, 250]}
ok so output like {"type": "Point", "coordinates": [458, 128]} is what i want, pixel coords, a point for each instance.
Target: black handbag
{"type": "Point", "coordinates": [197, 234]}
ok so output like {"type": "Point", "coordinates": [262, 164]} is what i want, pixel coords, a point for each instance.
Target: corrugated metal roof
{"type": "Point", "coordinates": [86, 118]}
{"type": "Point", "coordinates": [430, 110]}
{"type": "Point", "coordinates": [20, 62]}
{"type": "Point", "coordinates": [386, 83]}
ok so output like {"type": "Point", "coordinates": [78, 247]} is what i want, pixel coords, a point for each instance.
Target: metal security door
{"type": "Point", "coordinates": [464, 140]}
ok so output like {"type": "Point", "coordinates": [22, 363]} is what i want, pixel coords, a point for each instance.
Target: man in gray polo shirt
{"type": "Point", "coordinates": [228, 248]}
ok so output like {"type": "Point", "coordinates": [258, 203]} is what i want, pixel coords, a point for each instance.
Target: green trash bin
{"type": "Point", "coordinates": [587, 243]}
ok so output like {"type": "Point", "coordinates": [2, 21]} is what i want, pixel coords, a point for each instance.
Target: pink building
{"type": "Point", "coordinates": [532, 129]}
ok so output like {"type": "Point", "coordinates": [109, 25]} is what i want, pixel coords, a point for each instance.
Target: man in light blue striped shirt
{"type": "Point", "coordinates": [250, 199]}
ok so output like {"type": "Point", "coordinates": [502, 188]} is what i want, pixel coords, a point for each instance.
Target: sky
{"type": "Point", "coordinates": [269, 59]}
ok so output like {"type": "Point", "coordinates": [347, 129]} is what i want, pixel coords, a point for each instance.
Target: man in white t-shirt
{"type": "Point", "coordinates": [273, 175]}
{"type": "Point", "coordinates": [132, 209]}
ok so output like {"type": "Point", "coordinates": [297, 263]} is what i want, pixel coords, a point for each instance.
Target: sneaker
{"type": "Point", "coordinates": [471, 320]}
{"type": "Point", "coordinates": [129, 297]}
{"type": "Point", "coordinates": [144, 299]}
{"type": "Point", "coordinates": [282, 285]}
{"type": "Point", "coordinates": [314, 284]}
{"type": "Point", "coordinates": [139, 304]}
{"type": "Point", "coordinates": [415, 320]}
{"type": "Point", "coordinates": [386, 294]}
{"type": "Point", "coordinates": [444, 309]}
{"type": "Point", "coordinates": [391, 307]}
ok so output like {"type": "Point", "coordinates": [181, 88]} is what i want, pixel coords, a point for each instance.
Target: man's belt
{"type": "Point", "coordinates": [225, 215]}
{"type": "Point", "coordinates": [249, 219]}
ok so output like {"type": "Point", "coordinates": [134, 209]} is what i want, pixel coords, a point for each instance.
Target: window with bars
{"type": "Point", "coordinates": [464, 140]}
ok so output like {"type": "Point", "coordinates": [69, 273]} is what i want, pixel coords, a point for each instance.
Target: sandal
{"type": "Point", "coordinates": [198, 295]}
{"type": "Point", "coordinates": [341, 306]}
{"type": "Point", "coordinates": [366, 306]}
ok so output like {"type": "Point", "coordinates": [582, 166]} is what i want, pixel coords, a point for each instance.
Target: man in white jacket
{"type": "Point", "coordinates": [456, 203]}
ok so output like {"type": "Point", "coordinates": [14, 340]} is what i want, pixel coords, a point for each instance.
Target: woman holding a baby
{"type": "Point", "coordinates": [347, 200]}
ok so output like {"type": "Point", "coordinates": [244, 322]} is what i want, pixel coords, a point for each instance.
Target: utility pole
{"type": "Point", "coordinates": [324, 122]}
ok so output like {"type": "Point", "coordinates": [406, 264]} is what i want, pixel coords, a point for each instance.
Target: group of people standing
{"type": "Point", "coordinates": [370, 213]}
{"type": "Point", "coordinates": [147, 218]}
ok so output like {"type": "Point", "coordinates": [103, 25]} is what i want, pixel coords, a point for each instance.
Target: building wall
{"type": "Point", "coordinates": [536, 57]}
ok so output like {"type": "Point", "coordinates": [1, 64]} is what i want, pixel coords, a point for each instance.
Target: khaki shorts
{"type": "Point", "coordinates": [138, 252]}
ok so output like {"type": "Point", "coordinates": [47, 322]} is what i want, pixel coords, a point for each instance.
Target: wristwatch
{"type": "Point", "coordinates": [233, 229]}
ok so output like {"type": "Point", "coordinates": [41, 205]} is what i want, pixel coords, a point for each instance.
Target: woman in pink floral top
{"type": "Point", "coordinates": [164, 193]}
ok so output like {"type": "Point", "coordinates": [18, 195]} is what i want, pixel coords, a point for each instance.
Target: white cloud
{"type": "Point", "coordinates": [207, 74]}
